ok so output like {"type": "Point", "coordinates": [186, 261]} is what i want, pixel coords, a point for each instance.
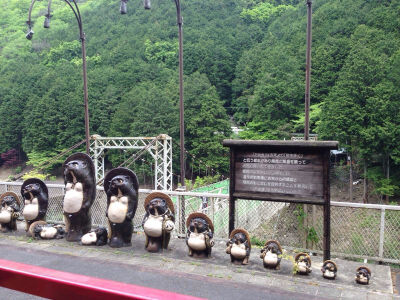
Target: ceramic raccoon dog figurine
{"type": "Point", "coordinates": [80, 192]}
{"type": "Point", "coordinates": [239, 246]}
{"type": "Point", "coordinates": [271, 254]}
{"type": "Point", "coordinates": [9, 211]}
{"type": "Point", "coordinates": [42, 230]}
{"type": "Point", "coordinates": [329, 269]}
{"type": "Point", "coordinates": [363, 275]}
{"type": "Point", "coordinates": [36, 198]}
{"type": "Point", "coordinates": [303, 263]}
{"type": "Point", "coordinates": [97, 237]}
{"type": "Point", "coordinates": [122, 189]}
{"type": "Point", "coordinates": [199, 236]}
{"type": "Point", "coordinates": [158, 222]}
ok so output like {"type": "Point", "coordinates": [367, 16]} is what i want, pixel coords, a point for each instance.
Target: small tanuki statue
{"type": "Point", "coordinates": [239, 246]}
{"type": "Point", "coordinates": [80, 192]}
{"type": "Point", "coordinates": [122, 189]}
{"type": "Point", "coordinates": [36, 199]}
{"type": "Point", "coordinates": [96, 237]}
{"type": "Point", "coordinates": [42, 230]}
{"type": "Point", "coordinates": [329, 269]}
{"type": "Point", "coordinates": [363, 274]}
{"type": "Point", "coordinates": [271, 255]}
{"type": "Point", "coordinates": [158, 222]}
{"type": "Point", "coordinates": [9, 211]}
{"type": "Point", "coordinates": [199, 236]}
{"type": "Point", "coordinates": [302, 263]}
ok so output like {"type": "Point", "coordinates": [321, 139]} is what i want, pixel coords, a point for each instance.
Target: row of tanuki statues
{"type": "Point", "coordinates": [121, 186]}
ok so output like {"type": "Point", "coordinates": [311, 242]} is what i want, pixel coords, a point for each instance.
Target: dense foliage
{"type": "Point", "coordinates": [244, 63]}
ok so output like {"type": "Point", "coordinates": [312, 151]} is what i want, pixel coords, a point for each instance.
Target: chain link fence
{"type": "Point", "coordinates": [363, 231]}
{"type": "Point", "coordinates": [357, 230]}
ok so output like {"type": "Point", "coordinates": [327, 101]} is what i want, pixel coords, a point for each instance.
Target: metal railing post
{"type": "Point", "coordinates": [382, 233]}
{"type": "Point", "coordinates": [211, 206]}
{"type": "Point", "coordinates": [178, 214]}
{"type": "Point", "coordinates": [183, 213]}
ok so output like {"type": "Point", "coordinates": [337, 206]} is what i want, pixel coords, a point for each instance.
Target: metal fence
{"type": "Point", "coordinates": [357, 230]}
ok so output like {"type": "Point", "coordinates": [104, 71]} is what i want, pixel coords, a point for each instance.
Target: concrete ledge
{"type": "Point", "coordinates": [219, 267]}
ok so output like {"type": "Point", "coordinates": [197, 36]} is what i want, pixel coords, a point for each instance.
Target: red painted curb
{"type": "Point", "coordinates": [55, 284]}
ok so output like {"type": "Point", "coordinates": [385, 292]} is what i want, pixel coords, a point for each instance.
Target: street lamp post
{"type": "Point", "coordinates": [147, 5]}
{"type": "Point", "coordinates": [308, 72]}
{"type": "Point", "coordinates": [181, 104]}
{"type": "Point", "coordinates": [73, 5]}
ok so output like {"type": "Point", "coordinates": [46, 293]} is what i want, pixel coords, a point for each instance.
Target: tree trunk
{"type": "Point", "coordinates": [387, 175]}
{"type": "Point", "coordinates": [365, 192]}
{"type": "Point", "coordinates": [351, 179]}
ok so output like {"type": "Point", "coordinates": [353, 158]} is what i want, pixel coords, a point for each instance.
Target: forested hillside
{"type": "Point", "coordinates": [244, 64]}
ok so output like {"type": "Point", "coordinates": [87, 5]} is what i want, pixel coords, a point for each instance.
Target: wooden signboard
{"type": "Point", "coordinates": [282, 171]}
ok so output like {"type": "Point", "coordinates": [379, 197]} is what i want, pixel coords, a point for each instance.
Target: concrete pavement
{"type": "Point", "coordinates": [214, 278]}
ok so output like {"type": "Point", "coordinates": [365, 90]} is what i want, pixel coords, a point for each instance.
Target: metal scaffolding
{"type": "Point", "coordinates": [160, 149]}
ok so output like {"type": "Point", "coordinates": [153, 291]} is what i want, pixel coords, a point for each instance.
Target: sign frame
{"type": "Point", "coordinates": [318, 149]}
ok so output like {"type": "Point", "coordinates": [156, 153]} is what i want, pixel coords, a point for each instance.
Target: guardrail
{"type": "Point", "coordinates": [55, 284]}
{"type": "Point", "coordinates": [368, 231]}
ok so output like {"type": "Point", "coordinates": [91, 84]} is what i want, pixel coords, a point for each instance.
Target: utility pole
{"type": "Point", "coordinates": [308, 71]}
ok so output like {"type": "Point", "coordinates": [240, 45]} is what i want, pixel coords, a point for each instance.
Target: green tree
{"type": "Point", "coordinates": [206, 123]}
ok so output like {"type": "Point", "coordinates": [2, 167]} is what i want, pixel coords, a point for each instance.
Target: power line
{"type": "Point", "coordinates": [51, 160]}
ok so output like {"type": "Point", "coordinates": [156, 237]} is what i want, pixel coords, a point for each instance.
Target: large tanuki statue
{"type": "Point", "coordinates": [122, 187]}
{"type": "Point", "coordinates": [80, 192]}
{"type": "Point", "coordinates": [158, 222]}
{"type": "Point", "coordinates": [199, 236]}
{"type": "Point", "coordinates": [36, 199]}
{"type": "Point", "coordinates": [9, 211]}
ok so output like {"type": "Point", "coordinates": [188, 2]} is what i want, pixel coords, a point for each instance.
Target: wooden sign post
{"type": "Point", "coordinates": [281, 171]}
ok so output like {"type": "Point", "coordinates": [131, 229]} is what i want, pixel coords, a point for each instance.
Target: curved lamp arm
{"type": "Point", "coordinates": [48, 16]}
{"type": "Point", "coordinates": [179, 18]}
{"type": "Point", "coordinates": [78, 17]}
{"type": "Point", "coordinates": [75, 9]}
{"type": "Point", "coordinates": [72, 4]}
{"type": "Point", "coordinates": [30, 32]}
